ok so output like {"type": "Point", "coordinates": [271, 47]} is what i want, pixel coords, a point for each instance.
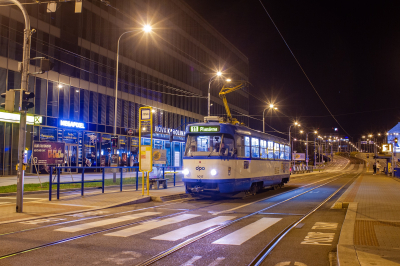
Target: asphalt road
{"type": "Point", "coordinates": [224, 231]}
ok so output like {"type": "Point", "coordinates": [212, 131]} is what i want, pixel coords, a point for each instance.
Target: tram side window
{"type": "Point", "coordinates": [276, 150]}
{"type": "Point", "coordinates": [255, 148]}
{"type": "Point", "coordinates": [246, 146]}
{"type": "Point", "coordinates": [264, 151]}
{"type": "Point", "coordinates": [287, 153]}
{"type": "Point", "coordinates": [270, 150]}
{"type": "Point", "coordinates": [282, 153]}
{"type": "Point", "coordinates": [227, 145]}
{"type": "Point", "coordinates": [203, 144]}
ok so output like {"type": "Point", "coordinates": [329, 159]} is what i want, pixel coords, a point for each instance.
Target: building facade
{"type": "Point", "coordinates": [168, 69]}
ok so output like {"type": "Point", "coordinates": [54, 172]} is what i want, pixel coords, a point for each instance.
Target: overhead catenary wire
{"type": "Point", "coordinates": [298, 63]}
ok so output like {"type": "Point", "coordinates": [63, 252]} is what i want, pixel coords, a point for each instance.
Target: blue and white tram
{"type": "Point", "coordinates": [228, 158]}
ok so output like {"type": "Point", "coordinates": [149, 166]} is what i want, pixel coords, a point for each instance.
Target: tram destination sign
{"type": "Point", "coordinates": [204, 129]}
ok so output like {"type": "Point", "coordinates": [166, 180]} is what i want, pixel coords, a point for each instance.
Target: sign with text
{"type": "Point", "coordinates": [145, 151]}
{"type": "Point", "coordinates": [201, 129]}
{"type": "Point", "coordinates": [72, 124]}
{"type": "Point", "coordinates": [298, 156]}
{"type": "Point", "coordinates": [48, 152]}
{"type": "Point", "coordinates": [387, 148]}
{"type": "Point", "coordinates": [145, 159]}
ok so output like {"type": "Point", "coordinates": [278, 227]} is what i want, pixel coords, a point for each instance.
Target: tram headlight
{"type": "Point", "coordinates": [185, 171]}
{"type": "Point", "coordinates": [213, 172]}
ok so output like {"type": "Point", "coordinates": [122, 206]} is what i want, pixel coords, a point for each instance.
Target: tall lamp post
{"type": "Point", "coordinates": [22, 124]}
{"type": "Point", "coordinates": [218, 74]}
{"type": "Point", "coordinates": [290, 139]}
{"type": "Point", "coordinates": [315, 132]}
{"type": "Point", "coordinates": [271, 107]}
{"type": "Point", "coordinates": [146, 28]}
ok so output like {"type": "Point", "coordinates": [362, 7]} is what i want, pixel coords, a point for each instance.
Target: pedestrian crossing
{"type": "Point", "coordinates": [237, 237]}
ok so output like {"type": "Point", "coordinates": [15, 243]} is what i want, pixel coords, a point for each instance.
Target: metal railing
{"type": "Point", "coordinates": [121, 169]}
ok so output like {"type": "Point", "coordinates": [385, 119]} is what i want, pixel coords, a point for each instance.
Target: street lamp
{"type": "Point", "coordinates": [218, 74]}
{"type": "Point", "coordinates": [291, 148]}
{"type": "Point", "coordinates": [271, 107]}
{"type": "Point", "coordinates": [315, 132]}
{"type": "Point", "coordinates": [147, 29]}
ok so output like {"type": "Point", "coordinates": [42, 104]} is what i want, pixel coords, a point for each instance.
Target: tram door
{"type": "Point", "coordinates": [71, 157]}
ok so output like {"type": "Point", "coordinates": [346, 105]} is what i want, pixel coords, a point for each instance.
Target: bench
{"type": "Point", "coordinates": [157, 182]}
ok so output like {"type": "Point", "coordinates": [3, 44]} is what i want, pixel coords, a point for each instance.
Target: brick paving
{"type": "Point", "coordinates": [378, 198]}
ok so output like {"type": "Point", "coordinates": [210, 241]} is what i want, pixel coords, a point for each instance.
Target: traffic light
{"type": "Point", "coordinates": [395, 140]}
{"type": "Point", "coordinates": [45, 65]}
{"type": "Point", "coordinates": [9, 102]}
{"type": "Point", "coordinates": [26, 104]}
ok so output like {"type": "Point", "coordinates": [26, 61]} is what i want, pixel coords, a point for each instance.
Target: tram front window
{"type": "Point", "coordinates": [211, 145]}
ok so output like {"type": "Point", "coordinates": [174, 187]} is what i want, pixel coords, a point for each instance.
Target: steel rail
{"type": "Point", "coordinates": [218, 228]}
{"type": "Point", "coordinates": [112, 214]}
{"type": "Point", "coordinates": [156, 218]}
{"type": "Point", "coordinates": [271, 245]}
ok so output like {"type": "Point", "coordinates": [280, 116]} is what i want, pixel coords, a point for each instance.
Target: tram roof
{"type": "Point", "coordinates": [236, 129]}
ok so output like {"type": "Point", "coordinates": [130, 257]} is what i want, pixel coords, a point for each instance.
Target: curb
{"type": "Point", "coordinates": [346, 252]}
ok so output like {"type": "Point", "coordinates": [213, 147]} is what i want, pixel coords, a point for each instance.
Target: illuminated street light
{"type": "Point", "coordinates": [217, 74]}
{"type": "Point", "coordinates": [147, 29]}
{"type": "Point", "coordinates": [228, 80]}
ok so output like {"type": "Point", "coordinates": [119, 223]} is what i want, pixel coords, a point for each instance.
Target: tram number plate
{"type": "Point", "coordinates": [199, 176]}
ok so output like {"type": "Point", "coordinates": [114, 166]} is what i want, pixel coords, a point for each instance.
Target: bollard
{"type": "Point", "coordinates": [137, 178]}
{"type": "Point", "coordinates": [163, 172]}
{"type": "Point", "coordinates": [83, 181]}
{"type": "Point", "coordinates": [103, 177]}
{"type": "Point", "coordinates": [120, 183]}
{"type": "Point", "coordinates": [58, 183]}
{"type": "Point", "coordinates": [50, 182]}
{"type": "Point", "coordinates": [174, 174]}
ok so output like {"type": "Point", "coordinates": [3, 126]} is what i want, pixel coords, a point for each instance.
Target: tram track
{"type": "Point", "coordinates": [189, 241]}
{"type": "Point", "coordinates": [178, 201]}
{"type": "Point", "coordinates": [155, 218]}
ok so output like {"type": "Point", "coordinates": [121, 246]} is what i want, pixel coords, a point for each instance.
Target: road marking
{"type": "Point", "coordinates": [242, 235]}
{"type": "Point", "coordinates": [39, 221]}
{"type": "Point", "coordinates": [318, 238]}
{"type": "Point", "coordinates": [151, 225]}
{"type": "Point", "coordinates": [191, 261]}
{"type": "Point", "coordinates": [85, 226]}
{"type": "Point", "coordinates": [5, 203]}
{"type": "Point", "coordinates": [328, 226]}
{"type": "Point", "coordinates": [216, 261]}
{"type": "Point", "coordinates": [193, 228]}
{"type": "Point", "coordinates": [120, 258]}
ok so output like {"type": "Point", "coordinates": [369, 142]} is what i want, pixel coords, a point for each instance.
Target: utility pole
{"type": "Point", "coordinates": [22, 123]}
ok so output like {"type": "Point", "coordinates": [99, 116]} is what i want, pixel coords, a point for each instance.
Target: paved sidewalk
{"type": "Point", "coordinates": [39, 206]}
{"type": "Point", "coordinates": [370, 234]}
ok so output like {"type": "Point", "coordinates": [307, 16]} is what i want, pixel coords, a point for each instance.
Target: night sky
{"type": "Point", "coordinates": [350, 51]}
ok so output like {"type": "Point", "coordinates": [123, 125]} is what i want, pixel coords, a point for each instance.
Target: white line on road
{"type": "Point", "coordinates": [151, 225]}
{"type": "Point", "coordinates": [193, 228]}
{"type": "Point", "coordinates": [216, 261]}
{"type": "Point", "coordinates": [242, 235]}
{"type": "Point", "coordinates": [191, 261]}
{"type": "Point", "coordinates": [5, 203]}
{"type": "Point", "coordinates": [85, 226]}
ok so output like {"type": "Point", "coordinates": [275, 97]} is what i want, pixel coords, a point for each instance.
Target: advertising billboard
{"type": "Point", "coordinates": [47, 152]}
{"type": "Point", "coordinates": [299, 156]}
